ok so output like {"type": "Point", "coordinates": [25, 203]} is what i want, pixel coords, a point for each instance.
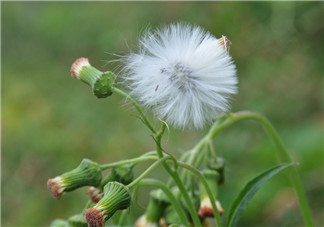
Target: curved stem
{"type": "Point", "coordinates": [174, 174]}
{"type": "Point", "coordinates": [282, 153]}
{"type": "Point", "coordinates": [154, 165]}
{"type": "Point", "coordinates": [285, 157]}
{"type": "Point", "coordinates": [135, 104]}
{"type": "Point", "coordinates": [173, 200]}
{"type": "Point", "coordinates": [197, 173]}
{"type": "Point", "coordinates": [129, 161]}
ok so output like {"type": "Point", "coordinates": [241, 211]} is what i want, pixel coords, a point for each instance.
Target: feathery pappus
{"type": "Point", "coordinates": [183, 73]}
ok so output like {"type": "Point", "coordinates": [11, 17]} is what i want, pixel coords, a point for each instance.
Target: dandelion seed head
{"type": "Point", "coordinates": [183, 73]}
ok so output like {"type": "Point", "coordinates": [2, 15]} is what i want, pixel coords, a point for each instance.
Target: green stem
{"type": "Point", "coordinates": [173, 200]}
{"type": "Point", "coordinates": [282, 153]}
{"type": "Point", "coordinates": [208, 190]}
{"type": "Point", "coordinates": [139, 109]}
{"type": "Point", "coordinates": [154, 165]}
{"type": "Point", "coordinates": [176, 178]}
{"type": "Point", "coordinates": [285, 157]}
{"type": "Point", "coordinates": [129, 161]}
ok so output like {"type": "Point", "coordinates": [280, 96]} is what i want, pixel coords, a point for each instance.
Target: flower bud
{"type": "Point", "coordinates": [116, 197]}
{"type": "Point", "coordinates": [59, 223]}
{"type": "Point", "coordinates": [123, 174]}
{"type": "Point", "coordinates": [206, 208]}
{"type": "Point", "coordinates": [77, 221]}
{"type": "Point", "coordinates": [87, 173]}
{"type": "Point", "coordinates": [100, 82]}
{"type": "Point", "coordinates": [95, 194]}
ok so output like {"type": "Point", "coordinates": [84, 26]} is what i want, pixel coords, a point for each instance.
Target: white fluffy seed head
{"type": "Point", "coordinates": [183, 73]}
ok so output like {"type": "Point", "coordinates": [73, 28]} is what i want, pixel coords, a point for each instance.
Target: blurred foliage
{"type": "Point", "coordinates": [50, 122]}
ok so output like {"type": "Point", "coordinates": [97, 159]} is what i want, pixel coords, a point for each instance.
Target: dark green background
{"type": "Point", "coordinates": [50, 121]}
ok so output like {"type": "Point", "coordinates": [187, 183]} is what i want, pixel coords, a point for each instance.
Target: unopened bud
{"type": "Point", "coordinates": [95, 194]}
{"type": "Point", "coordinates": [116, 197]}
{"type": "Point", "coordinates": [171, 216]}
{"type": "Point", "coordinates": [123, 174]}
{"type": "Point", "coordinates": [87, 173]}
{"type": "Point", "coordinates": [100, 82]}
{"type": "Point", "coordinates": [206, 208]}
{"type": "Point", "coordinates": [59, 223]}
{"type": "Point", "coordinates": [77, 221]}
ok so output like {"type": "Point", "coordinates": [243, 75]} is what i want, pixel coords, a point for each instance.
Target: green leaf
{"type": "Point", "coordinates": [243, 199]}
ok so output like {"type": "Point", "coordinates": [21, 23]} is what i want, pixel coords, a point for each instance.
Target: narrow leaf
{"type": "Point", "coordinates": [243, 199]}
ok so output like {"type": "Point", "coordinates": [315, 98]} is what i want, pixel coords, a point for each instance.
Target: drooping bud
{"type": "Point", "coordinates": [59, 223]}
{"type": "Point", "coordinates": [77, 221]}
{"type": "Point", "coordinates": [116, 197]}
{"type": "Point", "coordinates": [123, 174]}
{"type": "Point", "coordinates": [87, 173]}
{"type": "Point", "coordinates": [206, 208]}
{"type": "Point", "coordinates": [100, 82]}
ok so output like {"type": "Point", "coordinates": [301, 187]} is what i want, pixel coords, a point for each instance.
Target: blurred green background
{"type": "Point", "coordinates": [50, 121]}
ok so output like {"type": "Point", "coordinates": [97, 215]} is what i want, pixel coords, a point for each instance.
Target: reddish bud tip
{"type": "Point", "coordinates": [224, 41]}
{"type": "Point", "coordinates": [77, 66]}
{"type": "Point", "coordinates": [94, 217]}
{"type": "Point", "coordinates": [55, 185]}
{"type": "Point", "coordinates": [206, 209]}
{"type": "Point", "coordinates": [206, 212]}
{"type": "Point", "coordinates": [95, 194]}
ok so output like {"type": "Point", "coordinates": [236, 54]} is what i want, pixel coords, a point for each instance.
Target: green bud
{"type": "Point", "coordinates": [100, 82]}
{"type": "Point", "coordinates": [157, 205]}
{"type": "Point", "coordinates": [116, 197]}
{"type": "Point", "coordinates": [77, 221]}
{"type": "Point", "coordinates": [95, 194]}
{"type": "Point", "coordinates": [88, 173]}
{"type": "Point", "coordinates": [206, 209]}
{"type": "Point", "coordinates": [123, 174]}
{"type": "Point", "coordinates": [59, 223]}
